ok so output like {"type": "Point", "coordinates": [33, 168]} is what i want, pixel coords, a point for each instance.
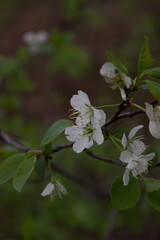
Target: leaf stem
{"type": "Point", "coordinates": [136, 105]}
{"type": "Point", "coordinates": [117, 139]}
{"type": "Point", "coordinates": [107, 106]}
{"type": "Point", "coordinates": [116, 144]}
{"type": "Point", "coordinates": [49, 168]}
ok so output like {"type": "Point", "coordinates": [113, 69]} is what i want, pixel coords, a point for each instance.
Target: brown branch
{"type": "Point", "coordinates": [93, 155]}
{"type": "Point", "coordinates": [62, 146]}
{"type": "Point", "coordinates": [114, 117]}
{"type": "Point", "coordinates": [117, 115]}
{"type": "Point", "coordinates": [6, 138]}
{"type": "Point", "coordinates": [129, 114]}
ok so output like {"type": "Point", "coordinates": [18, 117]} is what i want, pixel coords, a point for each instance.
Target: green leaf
{"type": "Point", "coordinates": [117, 63]}
{"type": "Point", "coordinates": [154, 199]}
{"type": "Point", "coordinates": [40, 167]}
{"type": "Point", "coordinates": [9, 167]}
{"type": "Point", "coordinates": [144, 87]}
{"type": "Point", "coordinates": [153, 72]}
{"type": "Point", "coordinates": [123, 197]}
{"type": "Point", "coordinates": [23, 172]}
{"type": "Point", "coordinates": [119, 131]}
{"type": "Point", "coordinates": [55, 130]}
{"type": "Point", "coordinates": [145, 58]}
{"type": "Point", "coordinates": [48, 149]}
{"type": "Point", "coordinates": [151, 184]}
{"type": "Point", "coordinates": [33, 152]}
{"type": "Point", "coordinates": [154, 89]}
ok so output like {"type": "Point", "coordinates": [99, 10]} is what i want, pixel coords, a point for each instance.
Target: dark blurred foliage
{"type": "Point", "coordinates": [35, 91]}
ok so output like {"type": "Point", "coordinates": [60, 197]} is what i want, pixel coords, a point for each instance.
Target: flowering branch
{"type": "Point", "coordinates": [92, 187]}
{"type": "Point", "coordinates": [93, 155]}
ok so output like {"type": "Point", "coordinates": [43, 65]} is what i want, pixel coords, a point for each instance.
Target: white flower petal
{"type": "Point", "coordinates": [149, 111]}
{"type": "Point", "coordinates": [48, 189]}
{"type": "Point", "coordinates": [42, 36]}
{"type": "Point", "coordinates": [103, 118]}
{"type": "Point", "coordinates": [90, 143]}
{"type": "Point", "coordinates": [134, 131]}
{"type": "Point", "coordinates": [84, 97]}
{"type": "Point", "coordinates": [80, 144]}
{"type": "Point", "coordinates": [73, 133]}
{"type": "Point", "coordinates": [127, 81]}
{"type": "Point", "coordinates": [131, 165]}
{"type": "Point", "coordinates": [97, 114]}
{"type": "Point", "coordinates": [126, 156]}
{"type": "Point", "coordinates": [124, 141]}
{"type": "Point", "coordinates": [61, 187]}
{"type": "Point", "coordinates": [108, 71]}
{"type": "Point", "coordinates": [154, 128]}
{"type": "Point", "coordinates": [78, 104]}
{"type": "Point", "coordinates": [123, 94]}
{"type": "Point", "coordinates": [149, 156]}
{"type": "Point", "coordinates": [98, 136]}
{"type": "Point", "coordinates": [137, 147]}
{"type": "Point", "coordinates": [126, 177]}
{"type": "Point", "coordinates": [28, 37]}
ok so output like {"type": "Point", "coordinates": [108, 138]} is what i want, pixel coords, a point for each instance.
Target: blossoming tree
{"type": "Point", "coordinates": [90, 126]}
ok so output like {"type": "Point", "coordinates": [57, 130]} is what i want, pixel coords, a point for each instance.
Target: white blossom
{"type": "Point", "coordinates": [83, 136]}
{"type": "Point", "coordinates": [115, 77]}
{"type": "Point", "coordinates": [60, 189]}
{"type": "Point", "coordinates": [85, 111]}
{"type": "Point", "coordinates": [154, 120]}
{"type": "Point", "coordinates": [35, 40]}
{"type": "Point", "coordinates": [54, 189]}
{"type": "Point", "coordinates": [134, 147]}
{"type": "Point", "coordinates": [48, 189]}
{"type": "Point", "coordinates": [137, 165]}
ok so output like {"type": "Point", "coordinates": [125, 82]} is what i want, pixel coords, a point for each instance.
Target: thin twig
{"type": "Point", "coordinates": [61, 146]}
{"type": "Point", "coordinates": [129, 114]}
{"type": "Point", "coordinates": [93, 155]}
{"type": "Point", "coordinates": [6, 138]}
{"type": "Point", "coordinates": [114, 117]}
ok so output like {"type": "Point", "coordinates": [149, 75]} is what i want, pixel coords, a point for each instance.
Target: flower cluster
{"type": "Point", "coordinates": [88, 123]}
{"type": "Point", "coordinates": [35, 40]}
{"type": "Point", "coordinates": [115, 77]}
{"type": "Point", "coordinates": [133, 155]}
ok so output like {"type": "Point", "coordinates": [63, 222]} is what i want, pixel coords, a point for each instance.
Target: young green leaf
{"type": "Point", "coordinates": [153, 72]}
{"type": "Point", "coordinates": [55, 130]}
{"type": "Point", "coordinates": [154, 89]}
{"type": "Point", "coordinates": [9, 167]}
{"type": "Point", "coordinates": [145, 58]}
{"type": "Point", "coordinates": [23, 172]}
{"type": "Point", "coordinates": [123, 197]}
{"type": "Point", "coordinates": [117, 63]}
{"type": "Point", "coordinates": [151, 184]}
{"type": "Point", "coordinates": [154, 199]}
{"type": "Point", "coordinates": [119, 131]}
{"type": "Point", "coordinates": [40, 167]}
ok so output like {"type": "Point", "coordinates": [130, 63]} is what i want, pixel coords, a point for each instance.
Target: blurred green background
{"type": "Point", "coordinates": [35, 92]}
